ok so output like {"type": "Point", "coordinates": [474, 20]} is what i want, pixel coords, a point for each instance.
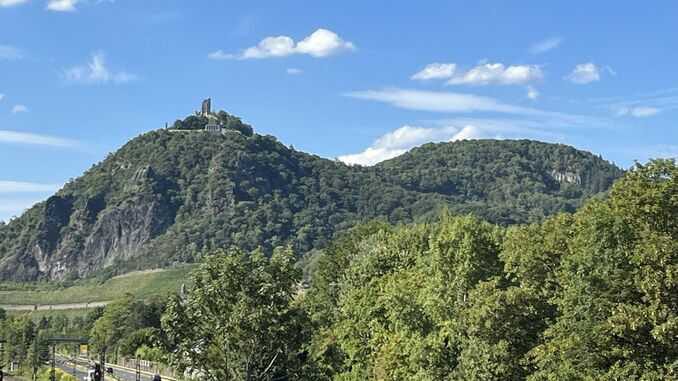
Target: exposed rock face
{"type": "Point", "coordinates": [121, 232]}
{"type": "Point", "coordinates": [75, 242]}
{"type": "Point", "coordinates": [566, 177]}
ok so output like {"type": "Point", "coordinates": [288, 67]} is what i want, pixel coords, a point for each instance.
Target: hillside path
{"type": "Point", "coordinates": [53, 307]}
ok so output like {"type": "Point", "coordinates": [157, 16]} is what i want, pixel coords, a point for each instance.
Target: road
{"type": "Point", "coordinates": [52, 307]}
{"type": "Point", "coordinates": [67, 366]}
{"type": "Point", "coordinates": [121, 374]}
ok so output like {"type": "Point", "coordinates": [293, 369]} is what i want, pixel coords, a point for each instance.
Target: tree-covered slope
{"type": "Point", "coordinates": [168, 195]}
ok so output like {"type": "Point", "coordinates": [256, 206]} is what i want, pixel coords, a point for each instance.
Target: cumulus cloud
{"type": "Point", "coordinates": [19, 109]}
{"type": "Point", "coordinates": [544, 46]}
{"type": "Point", "coordinates": [279, 46]}
{"type": "Point", "coordinates": [294, 71]}
{"type": "Point", "coordinates": [97, 72]}
{"type": "Point", "coordinates": [10, 53]}
{"type": "Point", "coordinates": [11, 3]}
{"type": "Point", "coordinates": [440, 101]}
{"type": "Point", "coordinates": [638, 111]}
{"type": "Point", "coordinates": [435, 71]}
{"type": "Point", "coordinates": [62, 5]}
{"type": "Point", "coordinates": [584, 73]}
{"type": "Point", "coordinates": [532, 93]}
{"type": "Point", "coordinates": [403, 139]}
{"type": "Point", "coordinates": [498, 74]}
{"type": "Point", "coordinates": [14, 137]}
{"type": "Point", "coordinates": [321, 43]}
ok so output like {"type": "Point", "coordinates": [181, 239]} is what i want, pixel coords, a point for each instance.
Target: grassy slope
{"type": "Point", "coordinates": [143, 285]}
{"type": "Point", "coordinates": [38, 315]}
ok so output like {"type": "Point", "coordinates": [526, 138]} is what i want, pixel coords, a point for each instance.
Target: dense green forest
{"type": "Point", "coordinates": [590, 295]}
{"type": "Point", "coordinates": [170, 195]}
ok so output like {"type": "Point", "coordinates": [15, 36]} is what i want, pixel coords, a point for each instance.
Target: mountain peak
{"type": "Point", "coordinates": [168, 195]}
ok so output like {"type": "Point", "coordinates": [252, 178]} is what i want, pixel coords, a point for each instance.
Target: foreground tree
{"type": "Point", "coordinates": [240, 320]}
{"type": "Point", "coordinates": [585, 296]}
{"type": "Point", "coordinates": [618, 286]}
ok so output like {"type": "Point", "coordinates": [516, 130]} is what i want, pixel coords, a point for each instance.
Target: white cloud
{"type": "Point", "coordinates": [279, 46]}
{"type": "Point", "coordinates": [220, 55]}
{"type": "Point", "coordinates": [96, 72]}
{"type": "Point", "coordinates": [24, 187]}
{"type": "Point", "coordinates": [321, 43]}
{"type": "Point", "coordinates": [532, 93]}
{"type": "Point", "coordinates": [62, 5]}
{"type": "Point", "coordinates": [2, 96]}
{"type": "Point", "coordinates": [585, 73]}
{"type": "Point", "coordinates": [10, 53]}
{"type": "Point", "coordinates": [34, 139]}
{"type": "Point", "coordinates": [401, 140]}
{"type": "Point", "coordinates": [440, 101]}
{"type": "Point", "coordinates": [11, 3]}
{"type": "Point", "coordinates": [13, 206]}
{"type": "Point", "coordinates": [10, 208]}
{"type": "Point", "coordinates": [499, 74]}
{"type": "Point", "coordinates": [545, 45]}
{"type": "Point", "coordinates": [70, 5]}
{"type": "Point", "coordinates": [294, 71]}
{"type": "Point", "coordinates": [19, 108]}
{"type": "Point", "coordinates": [639, 105]}
{"type": "Point", "coordinates": [459, 103]}
{"type": "Point", "coordinates": [638, 111]}
{"type": "Point", "coordinates": [435, 71]}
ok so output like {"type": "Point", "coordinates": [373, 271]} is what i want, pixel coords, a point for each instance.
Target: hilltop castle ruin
{"type": "Point", "coordinates": [214, 124]}
{"type": "Point", "coordinates": [206, 108]}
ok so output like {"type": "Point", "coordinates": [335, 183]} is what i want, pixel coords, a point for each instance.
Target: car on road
{"type": "Point", "coordinates": [89, 376]}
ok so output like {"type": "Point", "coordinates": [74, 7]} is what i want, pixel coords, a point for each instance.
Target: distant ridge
{"type": "Point", "coordinates": [164, 197]}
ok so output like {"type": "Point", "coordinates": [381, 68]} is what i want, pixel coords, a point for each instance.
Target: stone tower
{"type": "Point", "coordinates": [206, 106]}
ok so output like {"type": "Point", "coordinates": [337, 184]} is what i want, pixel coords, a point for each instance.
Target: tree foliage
{"type": "Point", "coordinates": [169, 195]}
{"type": "Point", "coordinates": [588, 296]}
{"type": "Point", "coordinates": [240, 321]}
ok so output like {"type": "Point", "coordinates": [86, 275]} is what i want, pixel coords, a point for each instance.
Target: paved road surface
{"type": "Point", "coordinates": [82, 368]}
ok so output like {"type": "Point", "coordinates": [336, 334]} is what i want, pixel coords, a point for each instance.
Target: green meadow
{"type": "Point", "coordinates": [143, 285]}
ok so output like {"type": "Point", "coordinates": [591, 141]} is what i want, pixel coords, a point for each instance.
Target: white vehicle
{"type": "Point", "coordinates": [89, 376]}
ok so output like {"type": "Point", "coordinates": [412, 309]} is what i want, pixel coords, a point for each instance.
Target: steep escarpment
{"type": "Point", "coordinates": [168, 195]}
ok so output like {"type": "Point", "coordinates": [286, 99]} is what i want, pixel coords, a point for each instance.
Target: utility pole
{"type": "Point", "coordinates": [52, 372]}
{"type": "Point", "coordinates": [138, 369]}
{"type": "Point", "coordinates": [75, 358]}
{"type": "Point", "coordinates": [2, 359]}
{"type": "Point", "coordinates": [35, 359]}
{"type": "Point", "coordinates": [102, 361]}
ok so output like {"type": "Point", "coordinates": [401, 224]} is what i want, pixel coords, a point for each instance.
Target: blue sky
{"type": "Point", "coordinates": [361, 81]}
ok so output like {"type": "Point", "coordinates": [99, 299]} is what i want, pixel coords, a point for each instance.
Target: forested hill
{"type": "Point", "coordinates": [168, 195]}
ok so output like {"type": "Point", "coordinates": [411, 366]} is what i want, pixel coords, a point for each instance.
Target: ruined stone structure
{"type": "Point", "coordinates": [214, 128]}
{"type": "Point", "coordinates": [206, 107]}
